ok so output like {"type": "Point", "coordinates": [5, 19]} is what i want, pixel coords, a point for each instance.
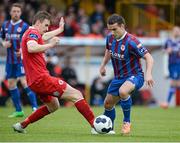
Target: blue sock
{"type": "Point", "coordinates": [171, 92]}
{"type": "Point", "coordinates": [126, 107]}
{"type": "Point", "coordinates": [15, 96]}
{"type": "Point", "coordinates": [32, 97]}
{"type": "Point", "coordinates": [111, 114]}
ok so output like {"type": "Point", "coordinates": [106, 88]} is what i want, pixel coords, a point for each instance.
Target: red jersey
{"type": "Point", "coordinates": [34, 63]}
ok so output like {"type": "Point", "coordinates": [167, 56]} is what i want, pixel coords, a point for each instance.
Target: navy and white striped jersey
{"type": "Point", "coordinates": [13, 32]}
{"type": "Point", "coordinates": [125, 55]}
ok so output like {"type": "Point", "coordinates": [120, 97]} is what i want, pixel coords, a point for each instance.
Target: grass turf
{"type": "Point", "coordinates": [67, 125]}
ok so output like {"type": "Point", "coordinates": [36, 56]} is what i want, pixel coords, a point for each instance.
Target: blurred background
{"type": "Point", "coordinates": [82, 44]}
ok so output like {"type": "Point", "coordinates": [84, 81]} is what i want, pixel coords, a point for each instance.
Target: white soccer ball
{"type": "Point", "coordinates": [102, 124]}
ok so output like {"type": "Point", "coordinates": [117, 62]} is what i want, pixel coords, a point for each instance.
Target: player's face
{"type": "Point", "coordinates": [43, 27]}
{"type": "Point", "coordinates": [176, 32]}
{"type": "Point", "coordinates": [15, 13]}
{"type": "Point", "coordinates": [116, 30]}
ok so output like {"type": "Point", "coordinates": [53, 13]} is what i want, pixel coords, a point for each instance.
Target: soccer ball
{"type": "Point", "coordinates": [102, 124]}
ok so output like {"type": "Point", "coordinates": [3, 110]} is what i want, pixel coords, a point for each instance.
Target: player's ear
{"type": "Point", "coordinates": [38, 22]}
{"type": "Point", "coordinates": [122, 26]}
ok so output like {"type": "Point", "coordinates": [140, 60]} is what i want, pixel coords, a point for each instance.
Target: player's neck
{"type": "Point", "coordinates": [35, 27]}
{"type": "Point", "coordinates": [122, 36]}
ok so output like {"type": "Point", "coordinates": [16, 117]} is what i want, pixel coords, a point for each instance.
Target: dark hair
{"type": "Point", "coordinates": [16, 5]}
{"type": "Point", "coordinates": [115, 18]}
{"type": "Point", "coordinates": [41, 16]}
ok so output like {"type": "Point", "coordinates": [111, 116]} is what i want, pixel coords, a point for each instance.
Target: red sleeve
{"type": "Point", "coordinates": [33, 35]}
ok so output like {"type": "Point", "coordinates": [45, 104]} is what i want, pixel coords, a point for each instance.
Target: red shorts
{"type": "Point", "coordinates": [47, 86]}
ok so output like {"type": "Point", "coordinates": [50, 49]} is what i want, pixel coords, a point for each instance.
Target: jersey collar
{"type": "Point", "coordinates": [14, 23]}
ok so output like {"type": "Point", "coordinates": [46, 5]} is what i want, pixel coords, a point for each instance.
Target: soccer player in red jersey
{"type": "Point", "coordinates": [35, 41]}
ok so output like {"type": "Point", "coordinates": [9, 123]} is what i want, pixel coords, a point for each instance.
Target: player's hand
{"type": "Point", "coordinates": [18, 53]}
{"type": "Point", "coordinates": [61, 24]}
{"type": "Point", "coordinates": [6, 44]}
{"type": "Point", "coordinates": [169, 50]}
{"type": "Point", "coordinates": [149, 80]}
{"type": "Point", "coordinates": [102, 71]}
{"type": "Point", "coordinates": [54, 41]}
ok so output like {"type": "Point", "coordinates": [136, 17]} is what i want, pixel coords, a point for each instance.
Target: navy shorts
{"type": "Point", "coordinates": [174, 71]}
{"type": "Point", "coordinates": [14, 70]}
{"type": "Point", "coordinates": [137, 80]}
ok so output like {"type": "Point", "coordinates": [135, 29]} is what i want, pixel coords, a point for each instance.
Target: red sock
{"type": "Point", "coordinates": [35, 116]}
{"type": "Point", "coordinates": [85, 110]}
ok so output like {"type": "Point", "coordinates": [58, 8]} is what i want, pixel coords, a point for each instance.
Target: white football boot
{"type": "Point", "coordinates": [18, 128]}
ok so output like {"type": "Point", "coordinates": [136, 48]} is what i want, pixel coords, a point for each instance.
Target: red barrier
{"type": "Point", "coordinates": [177, 97]}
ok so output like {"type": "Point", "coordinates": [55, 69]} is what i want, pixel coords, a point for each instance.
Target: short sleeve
{"type": "Point", "coordinates": [107, 43]}
{"type": "Point", "coordinates": [137, 47]}
{"type": "Point", "coordinates": [168, 44]}
{"type": "Point", "coordinates": [109, 40]}
{"type": "Point", "coordinates": [33, 35]}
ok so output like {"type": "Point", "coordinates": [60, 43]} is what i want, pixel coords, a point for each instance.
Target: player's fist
{"type": "Point", "coordinates": [149, 80]}
{"type": "Point", "coordinates": [169, 50]}
{"type": "Point", "coordinates": [18, 53]}
{"type": "Point", "coordinates": [61, 24]}
{"type": "Point", "coordinates": [102, 71]}
{"type": "Point", "coordinates": [54, 41]}
{"type": "Point", "coordinates": [6, 44]}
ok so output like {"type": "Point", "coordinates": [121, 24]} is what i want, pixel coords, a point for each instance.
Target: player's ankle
{"type": "Point", "coordinates": [25, 123]}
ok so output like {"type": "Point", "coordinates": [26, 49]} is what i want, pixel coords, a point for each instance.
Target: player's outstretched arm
{"type": "Point", "coordinates": [48, 35]}
{"type": "Point", "coordinates": [149, 66]}
{"type": "Point", "coordinates": [34, 47]}
{"type": "Point", "coordinates": [106, 59]}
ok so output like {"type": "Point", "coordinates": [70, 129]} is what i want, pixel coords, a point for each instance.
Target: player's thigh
{"type": "Point", "coordinates": [71, 94]}
{"type": "Point", "coordinates": [175, 83]}
{"type": "Point", "coordinates": [131, 83]}
{"type": "Point", "coordinates": [48, 85]}
{"type": "Point", "coordinates": [126, 88]}
{"type": "Point", "coordinates": [53, 105]}
{"type": "Point", "coordinates": [178, 83]}
{"type": "Point", "coordinates": [110, 101]}
{"type": "Point", "coordinates": [23, 81]}
{"type": "Point", "coordinates": [113, 88]}
{"type": "Point", "coordinates": [12, 83]}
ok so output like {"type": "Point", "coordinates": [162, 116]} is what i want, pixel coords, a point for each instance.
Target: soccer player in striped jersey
{"type": "Point", "coordinates": [172, 48]}
{"type": "Point", "coordinates": [11, 34]}
{"type": "Point", "coordinates": [125, 52]}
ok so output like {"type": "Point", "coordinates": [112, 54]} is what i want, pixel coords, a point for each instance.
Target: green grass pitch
{"type": "Point", "coordinates": [67, 125]}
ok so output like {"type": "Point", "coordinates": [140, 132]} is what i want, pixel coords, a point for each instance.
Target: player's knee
{"type": "Point", "coordinates": [108, 105]}
{"type": "Point", "coordinates": [123, 93]}
{"type": "Point", "coordinates": [12, 84]}
{"type": "Point", "coordinates": [56, 107]}
{"type": "Point", "coordinates": [77, 96]}
{"type": "Point", "coordinates": [53, 108]}
{"type": "Point", "coordinates": [53, 105]}
{"type": "Point", "coordinates": [23, 82]}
